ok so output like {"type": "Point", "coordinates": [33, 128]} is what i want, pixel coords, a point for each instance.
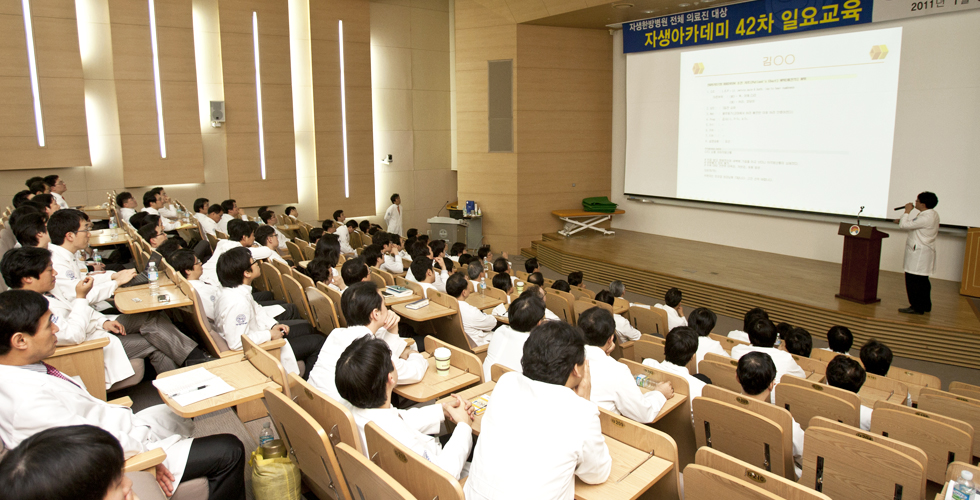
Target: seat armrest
{"type": "Point", "coordinates": [272, 344]}
{"type": "Point", "coordinates": [627, 349]}
{"type": "Point", "coordinates": [123, 401]}
{"type": "Point", "coordinates": [88, 345]}
{"type": "Point", "coordinates": [145, 460]}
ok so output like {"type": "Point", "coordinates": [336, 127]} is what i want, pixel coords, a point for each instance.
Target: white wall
{"type": "Point", "coordinates": [780, 233]}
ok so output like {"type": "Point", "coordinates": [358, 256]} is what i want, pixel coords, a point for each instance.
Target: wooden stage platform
{"type": "Point", "coordinates": [801, 291]}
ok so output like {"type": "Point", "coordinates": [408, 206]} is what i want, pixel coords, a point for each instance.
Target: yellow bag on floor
{"type": "Point", "coordinates": [274, 478]}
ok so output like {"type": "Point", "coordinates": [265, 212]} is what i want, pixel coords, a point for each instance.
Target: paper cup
{"type": "Point", "coordinates": [520, 287]}
{"type": "Point", "coordinates": [442, 360]}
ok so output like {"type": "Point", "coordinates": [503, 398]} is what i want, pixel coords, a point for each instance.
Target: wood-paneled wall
{"type": "Point", "coordinates": [59, 67]}
{"type": "Point", "coordinates": [245, 182]}
{"type": "Point", "coordinates": [136, 94]}
{"type": "Point", "coordinates": [327, 116]}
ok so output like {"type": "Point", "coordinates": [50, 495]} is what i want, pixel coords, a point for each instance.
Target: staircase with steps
{"type": "Point", "coordinates": [527, 253]}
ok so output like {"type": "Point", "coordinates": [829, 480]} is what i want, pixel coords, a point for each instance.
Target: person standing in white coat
{"type": "Point", "coordinates": [366, 377]}
{"type": "Point", "coordinates": [35, 396]}
{"type": "Point", "coordinates": [613, 385]}
{"type": "Point", "coordinates": [920, 251]}
{"type": "Point", "coordinates": [519, 455]}
{"type": "Point", "coordinates": [393, 216]}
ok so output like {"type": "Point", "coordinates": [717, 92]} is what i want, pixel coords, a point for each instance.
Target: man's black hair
{"type": "Point", "coordinates": [458, 248]}
{"type": "Point", "coordinates": [500, 265]}
{"type": "Point", "coordinates": [228, 206]}
{"type": "Point", "coordinates": [24, 262]}
{"type": "Point", "coordinates": [531, 264]}
{"type": "Point", "coordinates": [122, 198]}
{"type": "Point", "coordinates": [877, 357]}
{"type": "Point", "coordinates": [456, 284]}
{"type": "Point", "coordinates": [20, 311]}
{"type": "Point", "coordinates": [673, 297]}
{"type": "Point", "coordinates": [215, 209]}
{"type": "Point", "coordinates": [756, 372]}
{"type": "Point", "coordinates": [394, 197]}
{"type": "Point", "coordinates": [232, 266]}
{"type": "Point", "coordinates": [362, 372]}
{"type": "Point", "coordinates": [846, 373]}
{"type": "Point", "coordinates": [412, 233]}
{"type": "Point", "coordinates": [597, 326]}
{"type": "Point", "coordinates": [929, 199]}
{"type": "Point", "coordinates": [182, 260]}
{"type": "Point", "coordinates": [337, 214]}
{"type": "Point", "coordinates": [762, 333]}
{"type": "Point", "coordinates": [502, 282]}
{"type": "Point", "coordinates": [702, 320]}
{"type": "Point", "coordinates": [536, 279]}
{"type": "Point", "coordinates": [319, 269]}
{"type": "Point", "coordinates": [751, 315]}
{"type": "Point", "coordinates": [420, 267]}
{"type": "Point", "coordinates": [552, 351]}
{"type": "Point", "coordinates": [238, 230]}
{"type": "Point", "coordinates": [38, 186]}
{"type": "Point", "coordinates": [28, 227]}
{"type": "Point", "coordinates": [199, 204]}
{"type": "Point", "coordinates": [263, 233]}
{"type": "Point", "coordinates": [561, 285]}
{"type": "Point", "coordinates": [840, 339]}
{"type": "Point", "coordinates": [63, 222]}
{"type": "Point", "coordinates": [359, 301]}
{"type": "Point", "coordinates": [44, 200]}
{"type": "Point", "coordinates": [354, 271]}
{"type": "Point", "coordinates": [605, 297]}
{"type": "Point", "coordinates": [149, 231]}
{"type": "Point", "coordinates": [526, 312]}
{"type": "Point", "coordinates": [21, 197]}
{"type": "Point", "coordinates": [372, 254]}
{"type": "Point", "coordinates": [680, 345]}
{"type": "Point", "coordinates": [575, 278]}
{"type": "Point", "coordinates": [149, 198]}
{"type": "Point", "coordinates": [799, 342]}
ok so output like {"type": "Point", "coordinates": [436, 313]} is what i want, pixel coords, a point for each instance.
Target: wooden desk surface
{"type": "Point", "coordinates": [503, 319]}
{"type": "Point", "coordinates": [431, 311]}
{"type": "Point", "coordinates": [289, 227]}
{"type": "Point", "coordinates": [625, 458]}
{"type": "Point", "coordinates": [813, 376]}
{"type": "Point", "coordinates": [248, 381]}
{"type": "Point", "coordinates": [434, 385]}
{"type": "Point", "coordinates": [146, 303]}
{"type": "Point", "coordinates": [108, 238]}
{"type": "Point", "coordinates": [392, 300]}
{"type": "Point", "coordinates": [869, 395]}
{"type": "Point", "coordinates": [481, 303]}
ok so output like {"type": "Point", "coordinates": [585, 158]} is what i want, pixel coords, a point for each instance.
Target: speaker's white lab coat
{"type": "Point", "coordinates": [920, 245]}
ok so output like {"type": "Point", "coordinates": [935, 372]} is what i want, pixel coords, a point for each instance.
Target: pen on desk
{"type": "Point", "coordinates": [186, 391]}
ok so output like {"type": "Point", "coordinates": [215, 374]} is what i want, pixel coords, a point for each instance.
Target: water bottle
{"type": "Point", "coordinates": [152, 275]}
{"type": "Point", "coordinates": [963, 489]}
{"type": "Point", "coordinates": [483, 286]}
{"type": "Point", "coordinates": [112, 223]}
{"type": "Point", "coordinates": [266, 435]}
{"type": "Point", "coordinates": [97, 258]}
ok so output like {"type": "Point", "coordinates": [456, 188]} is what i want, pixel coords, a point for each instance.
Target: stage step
{"type": "Point", "coordinates": [528, 253]}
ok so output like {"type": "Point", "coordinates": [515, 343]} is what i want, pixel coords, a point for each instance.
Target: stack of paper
{"type": "Point", "coordinates": [190, 387]}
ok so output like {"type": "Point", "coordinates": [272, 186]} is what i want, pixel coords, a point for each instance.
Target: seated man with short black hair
{"type": "Point", "coordinates": [392, 260]}
{"type": "Point", "coordinates": [354, 271]}
{"type": "Point", "coordinates": [125, 207]}
{"type": "Point", "coordinates": [798, 341]}
{"type": "Point", "coordinates": [613, 385]}
{"type": "Point", "coordinates": [702, 320]}
{"type": "Point", "coordinates": [268, 245]}
{"type": "Point", "coordinates": [562, 285]}
{"type": "Point", "coordinates": [202, 210]}
{"type": "Point", "coordinates": [364, 309]}
{"type": "Point", "coordinates": [522, 457]}
{"type": "Point", "coordinates": [672, 306]}
{"type": "Point", "coordinates": [507, 346]}
{"type": "Point", "coordinates": [757, 375]}
{"type": "Point", "coordinates": [229, 212]}
{"type": "Point", "coordinates": [846, 373]}
{"type": "Point", "coordinates": [237, 314]}
{"type": "Point", "coordinates": [877, 357]}
{"type": "Point", "coordinates": [680, 345]}
{"type": "Point", "coordinates": [477, 325]}
{"type": "Point", "coordinates": [750, 316]}
{"type": "Point", "coordinates": [458, 248]}
{"type": "Point", "coordinates": [839, 339]}
{"type": "Point", "coordinates": [531, 265]}
{"type": "Point", "coordinates": [501, 266]}
{"type": "Point", "coordinates": [35, 397]}
{"type": "Point", "coordinates": [31, 230]}
{"type": "Point", "coordinates": [575, 279]}
{"type": "Point", "coordinates": [624, 330]}
{"type": "Point", "coordinates": [536, 278]}
{"type": "Point", "coordinates": [504, 283]}
{"type": "Point", "coordinates": [426, 275]}
{"type": "Point", "coordinates": [762, 333]}
{"type": "Point", "coordinates": [366, 377]}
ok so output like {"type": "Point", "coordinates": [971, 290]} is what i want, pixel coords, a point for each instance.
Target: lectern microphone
{"type": "Point", "coordinates": [900, 208]}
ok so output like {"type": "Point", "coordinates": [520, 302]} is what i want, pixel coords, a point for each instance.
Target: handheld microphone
{"type": "Point", "coordinates": [900, 208]}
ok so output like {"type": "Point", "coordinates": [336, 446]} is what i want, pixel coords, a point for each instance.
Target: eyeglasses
{"type": "Point", "coordinates": [88, 229]}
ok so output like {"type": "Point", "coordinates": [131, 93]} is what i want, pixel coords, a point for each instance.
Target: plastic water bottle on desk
{"type": "Point", "coordinates": [266, 435]}
{"type": "Point", "coordinates": [112, 223]}
{"type": "Point", "coordinates": [152, 275]}
{"type": "Point", "coordinates": [963, 488]}
{"type": "Point", "coordinates": [483, 286]}
{"type": "Point", "coordinates": [97, 258]}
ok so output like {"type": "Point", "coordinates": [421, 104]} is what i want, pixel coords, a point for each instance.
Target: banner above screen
{"type": "Point", "coordinates": [764, 18]}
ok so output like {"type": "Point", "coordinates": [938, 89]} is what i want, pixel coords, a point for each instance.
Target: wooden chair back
{"type": "Point", "coordinates": [647, 440]}
{"type": "Point", "coordinates": [942, 439]}
{"type": "Point", "coordinates": [334, 296]}
{"type": "Point", "coordinates": [324, 314]}
{"type": "Point", "coordinates": [213, 341]}
{"type": "Point", "coordinates": [584, 305]}
{"type": "Point", "coordinates": [822, 355]}
{"type": "Point", "coordinates": [414, 287]}
{"type": "Point", "coordinates": [388, 277]}
{"type": "Point", "coordinates": [309, 252]}
{"type": "Point", "coordinates": [721, 371]}
{"type": "Point", "coordinates": [843, 394]}
{"type": "Point", "coordinates": [703, 483]}
{"type": "Point", "coordinates": [548, 283]}
{"type": "Point", "coordinates": [86, 361]}
{"type": "Point", "coordinates": [652, 321]}
{"type": "Point", "coordinates": [582, 293]}
{"type": "Point", "coordinates": [265, 363]}
{"type": "Point", "coordinates": [845, 466]}
{"type": "Point", "coordinates": [960, 388]}
{"type": "Point", "coordinates": [274, 280]}
{"type": "Point", "coordinates": [498, 294]}
{"type": "Point", "coordinates": [308, 445]}
{"type": "Point", "coordinates": [804, 403]}
{"type": "Point", "coordinates": [419, 476]}
{"type": "Point", "coordinates": [727, 343]}
{"type": "Point", "coordinates": [294, 252]}
{"type": "Point", "coordinates": [450, 328]}
{"type": "Point", "coordinates": [900, 446]}
{"type": "Point", "coordinates": [463, 359]}
{"type": "Point", "coordinates": [377, 279]}
{"type": "Point", "coordinates": [621, 303]}
{"type": "Point", "coordinates": [304, 280]}
{"type": "Point", "coordinates": [366, 479]}
{"type": "Point", "coordinates": [643, 349]}
{"type": "Point", "coordinates": [297, 296]}
{"type": "Point", "coordinates": [561, 307]}
{"type": "Point", "coordinates": [727, 422]}
{"type": "Point", "coordinates": [958, 406]}
{"type": "Point", "coordinates": [334, 417]}
{"type": "Point", "coordinates": [212, 240]}
{"type": "Point", "coordinates": [283, 267]}
{"type": "Point", "coordinates": [302, 230]}
{"type": "Point", "coordinates": [879, 384]}
{"type": "Point", "coordinates": [916, 381]}
{"type": "Point", "coordinates": [496, 371]}
{"type": "Point", "coordinates": [733, 467]}
{"type": "Point", "coordinates": [220, 235]}
{"type": "Point", "coordinates": [811, 366]}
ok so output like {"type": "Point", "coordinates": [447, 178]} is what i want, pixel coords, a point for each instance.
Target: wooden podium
{"type": "Point", "coordinates": [859, 269]}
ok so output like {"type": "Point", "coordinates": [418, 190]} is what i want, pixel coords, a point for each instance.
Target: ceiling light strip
{"type": "Point", "coordinates": [343, 107]}
{"type": "Point", "coordinates": [258, 91]}
{"type": "Point", "coordinates": [156, 78]}
{"type": "Point", "coordinates": [32, 65]}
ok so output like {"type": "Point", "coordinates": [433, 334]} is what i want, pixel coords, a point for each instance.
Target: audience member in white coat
{"type": "Point", "coordinates": [343, 233]}
{"type": "Point", "coordinates": [797, 341]}
{"type": "Point", "coordinates": [126, 207]}
{"type": "Point", "coordinates": [877, 360]}
{"type": "Point", "coordinates": [624, 330]}
{"type": "Point", "coordinates": [229, 212]}
{"type": "Point", "coordinates": [366, 314]}
{"type": "Point", "coordinates": [393, 216]}
{"type": "Point", "coordinates": [750, 316]}
{"type": "Point", "coordinates": [237, 314]}
{"type": "Point", "coordinates": [521, 457]}
{"type": "Point", "coordinates": [35, 397]}
{"type": "Point", "coordinates": [152, 203]}
{"type": "Point", "coordinates": [475, 274]}
{"type": "Point", "coordinates": [846, 373]}
{"type": "Point", "coordinates": [187, 264]}
{"type": "Point", "coordinates": [268, 244]}
{"type": "Point", "coordinates": [757, 375]}
{"type": "Point", "coordinates": [680, 346]}
{"type": "Point", "coordinates": [477, 324]}
{"type": "Point", "coordinates": [507, 346]}
{"type": "Point", "coordinates": [393, 260]}
{"type": "Point", "coordinates": [702, 320]}
{"type": "Point", "coordinates": [613, 385]}
{"type": "Point", "coordinates": [366, 377]}
{"type": "Point", "coordinates": [762, 333]}
{"type": "Point", "coordinates": [673, 308]}
{"type": "Point", "coordinates": [425, 275]}
{"type": "Point", "coordinates": [504, 284]}
{"type": "Point", "coordinates": [839, 340]}
{"type": "Point", "coordinates": [269, 218]}
{"type": "Point", "coordinates": [58, 188]}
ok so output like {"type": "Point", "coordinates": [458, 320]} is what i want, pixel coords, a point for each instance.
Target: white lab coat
{"type": "Point", "coordinates": [614, 388]}
{"type": "Point", "coordinates": [206, 223]}
{"type": "Point", "coordinates": [60, 200]}
{"type": "Point", "coordinates": [673, 319]}
{"type": "Point", "coordinates": [477, 325]}
{"type": "Point", "coordinates": [413, 427]}
{"type": "Point", "coordinates": [78, 322]}
{"type": "Point", "coordinates": [31, 402]}
{"type": "Point", "coordinates": [785, 364]}
{"type": "Point", "coordinates": [624, 330]}
{"type": "Point", "coordinates": [393, 218]}
{"type": "Point", "coordinates": [343, 236]}
{"type": "Point", "coordinates": [209, 295]}
{"type": "Point", "coordinates": [739, 335]}
{"type": "Point", "coordinates": [707, 344]}
{"type": "Point", "coordinates": [507, 349]}
{"type": "Point", "coordinates": [168, 224]}
{"type": "Point", "coordinates": [71, 270]}
{"type": "Point", "coordinates": [262, 253]}
{"type": "Point", "coordinates": [695, 385]}
{"type": "Point", "coordinates": [125, 214]}
{"type": "Point", "coordinates": [323, 375]}
{"type": "Point", "coordinates": [521, 456]}
{"type": "Point", "coordinates": [920, 245]}
{"type": "Point", "coordinates": [237, 314]}
{"type": "Point", "coordinates": [866, 418]}
{"type": "Point", "coordinates": [223, 223]}
{"type": "Point", "coordinates": [210, 267]}
{"type": "Point", "coordinates": [169, 211]}
{"type": "Point", "coordinates": [393, 264]}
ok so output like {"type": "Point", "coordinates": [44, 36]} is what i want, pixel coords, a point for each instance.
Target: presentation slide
{"type": "Point", "coordinates": [801, 124]}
